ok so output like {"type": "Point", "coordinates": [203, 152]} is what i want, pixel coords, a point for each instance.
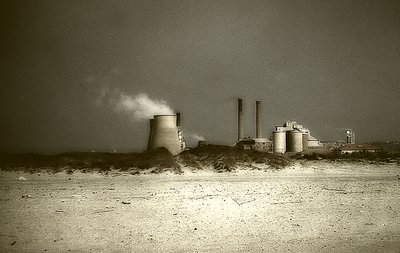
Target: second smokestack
{"type": "Point", "coordinates": [258, 126]}
{"type": "Point", "coordinates": [240, 119]}
{"type": "Point", "coordinates": [178, 119]}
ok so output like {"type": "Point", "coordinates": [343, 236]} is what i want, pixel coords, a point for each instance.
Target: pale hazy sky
{"type": "Point", "coordinates": [329, 64]}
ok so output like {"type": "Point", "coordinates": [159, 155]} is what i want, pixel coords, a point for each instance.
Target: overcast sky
{"type": "Point", "coordinates": [66, 65]}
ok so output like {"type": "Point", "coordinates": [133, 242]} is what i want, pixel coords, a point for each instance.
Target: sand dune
{"type": "Point", "coordinates": [309, 207]}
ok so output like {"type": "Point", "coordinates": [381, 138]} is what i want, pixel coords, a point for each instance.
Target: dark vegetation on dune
{"type": "Point", "coordinates": [216, 157]}
{"type": "Point", "coordinates": [158, 160]}
{"type": "Point", "coordinates": [226, 158]}
{"type": "Point", "coordinates": [219, 158]}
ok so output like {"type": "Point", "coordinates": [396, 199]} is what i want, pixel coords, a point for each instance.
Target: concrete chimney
{"type": "Point", "coordinates": [178, 119]}
{"type": "Point", "coordinates": [240, 119]}
{"type": "Point", "coordinates": [258, 124]}
{"type": "Point", "coordinates": [151, 133]}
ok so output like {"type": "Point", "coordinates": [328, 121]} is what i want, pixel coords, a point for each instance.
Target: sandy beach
{"type": "Point", "coordinates": [312, 206]}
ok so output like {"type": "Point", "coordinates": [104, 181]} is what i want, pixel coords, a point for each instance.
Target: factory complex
{"type": "Point", "coordinates": [290, 137]}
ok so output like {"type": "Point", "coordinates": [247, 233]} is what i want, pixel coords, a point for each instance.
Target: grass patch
{"type": "Point", "coordinates": [226, 158]}
{"type": "Point", "coordinates": [159, 159]}
{"type": "Point", "coordinates": [220, 158]}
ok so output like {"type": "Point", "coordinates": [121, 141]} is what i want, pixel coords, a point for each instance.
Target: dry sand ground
{"type": "Point", "coordinates": [314, 207]}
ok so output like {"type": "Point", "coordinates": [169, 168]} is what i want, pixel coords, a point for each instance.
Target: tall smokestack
{"type": "Point", "coordinates": [178, 119]}
{"type": "Point", "coordinates": [258, 126]}
{"type": "Point", "coordinates": [240, 119]}
{"type": "Point", "coordinates": [151, 133]}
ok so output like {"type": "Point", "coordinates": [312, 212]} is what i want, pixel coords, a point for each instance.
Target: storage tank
{"type": "Point", "coordinates": [294, 141]}
{"type": "Point", "coordinates": [164, 133]}
{"type": "Point", "coordinates": [279, 142]}
{"type": "Point", "coordinates": [305, 141]}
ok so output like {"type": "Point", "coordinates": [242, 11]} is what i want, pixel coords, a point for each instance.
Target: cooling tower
{"type": "Point", "coordinates": [305, 141]}
{"type": "Point", "coordinates": [164, 133]}
{"type": "Point", "coordinates": [258, 126]}
{"type": "Point", "coordinates": [279, 142]}
{"type": "Point", "coordinates": [240, 119]}
{"type": "Point", "coordinates": [294, 141]}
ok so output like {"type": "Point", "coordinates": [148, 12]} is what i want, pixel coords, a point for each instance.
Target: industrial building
{"type": "Point", "coordinates": [350, 137]}
{"type": "Point", "coordinates": [293, 137]}
{"type": "Point", "coordinates": [350, 146]}
{"type": "Point", "coordinates": [165, 131]}
{"type": "Point", "coordinates": [335, 145]}
{"type": "Point", "coordinates": [258, 142]}
{"type": "Point", "coordinates": [361, 148]}
{"type": "Point", "coordinates": [332, 144]}
{"type": "Point", "coordinates": [290, 137]}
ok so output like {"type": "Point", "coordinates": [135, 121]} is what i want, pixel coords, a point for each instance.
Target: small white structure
{"type": "Point", "coordinates": [350, 137]}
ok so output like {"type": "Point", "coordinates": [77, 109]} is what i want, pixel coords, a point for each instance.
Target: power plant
{"type": "Point", "coordinates": [290, 137]}
{"type": "Point", "coordinates": [166, 131]}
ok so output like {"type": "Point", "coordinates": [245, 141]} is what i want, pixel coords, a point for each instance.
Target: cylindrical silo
{"type": "Point", "coordinates": [240, 119]}
{"type": "Point", "coordinates": [279, 142]}
{"type": "Point", "coordinates": [305, 141]}
{"type": "Point", "coordinates": [294, 141]}
{"type": "Point", "coordinates": [164, 133]}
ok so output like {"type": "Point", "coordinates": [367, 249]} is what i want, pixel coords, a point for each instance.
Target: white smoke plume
{"type": "Point", "coordinates": [196, 137]}
{"type": "Point", "coordinates": [141, 106]}
{"type": "Point", "coordinates": [192, 139]}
